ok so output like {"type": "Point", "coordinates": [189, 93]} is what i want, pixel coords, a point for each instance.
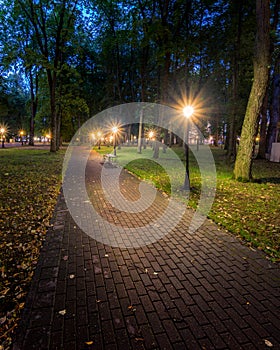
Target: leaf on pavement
{"type": "Point", "coordinates": [268, 343]}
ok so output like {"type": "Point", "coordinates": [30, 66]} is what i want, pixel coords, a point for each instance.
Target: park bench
{"type": "Point", "coordinates": [109, 159]}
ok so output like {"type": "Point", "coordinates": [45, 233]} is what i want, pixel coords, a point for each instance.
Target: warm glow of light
{"type": "Point", "coordinates": [151, 134]}
{"type": "Point", "coordinates": [188, 111]}
{"type": "Point", "coordinates": [93, 136]}
{"type": "Point", "coordinates": [21, 132]}
{"type": "Point", "coordinates": [115, 129]}
{"type": "Point", "coordinates": [202, 100]}
{"type": "Point", "coordinates": [99, 134]}
{"type": "Point", "coordinates": [2, 130]}
{"type": "Point", "coordinates": [48, 136]}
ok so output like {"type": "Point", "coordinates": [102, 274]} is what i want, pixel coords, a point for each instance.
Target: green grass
{"type": "Point", "coordinates": [30, 182]}
{"type": "Point", "coordinates": [249, 210]}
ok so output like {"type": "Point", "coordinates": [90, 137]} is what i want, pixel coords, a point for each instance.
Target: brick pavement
{"type": "Point", "coordinates": [203, 290]}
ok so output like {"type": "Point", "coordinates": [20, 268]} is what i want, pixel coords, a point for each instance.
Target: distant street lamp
{"type": "Point", "coordinates": [21, 136]}
{"type": "Point", "coordinates": [151, 134]}
{"type": "Point", "coordinates": [99, 135]}
{"type": "Point", "coordinates": [188, 112]}
{"type": "Point", "coordinates": [115, 131]}
{"type": "Point", "coordinates": [2, 131]}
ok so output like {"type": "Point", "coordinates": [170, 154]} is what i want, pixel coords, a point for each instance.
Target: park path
{"type": "Point", "coordinates": [203, 290]}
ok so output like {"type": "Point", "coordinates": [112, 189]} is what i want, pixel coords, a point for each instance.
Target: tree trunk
{"type": "Point", "coordinates": [264, 133]}
{"type": "Point", "coordinates": [263, 127]}
{"type": "Point", "coordinates": [274, 113]}
{"type": "Point", "coordinates": [231, 151]}
{"type": "Point", "coordinates": [243, 164]}
{"type": "Point", "coordinates": [52, 88]}
{"type": "Point", "coordinates": [34, 104]}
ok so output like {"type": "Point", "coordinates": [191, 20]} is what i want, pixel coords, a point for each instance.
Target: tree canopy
{"type": "Point", "coordinates": [72, 59]}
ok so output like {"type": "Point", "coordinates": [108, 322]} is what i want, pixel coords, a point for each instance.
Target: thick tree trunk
{"type": "Point", "coordinates": [243, 164]}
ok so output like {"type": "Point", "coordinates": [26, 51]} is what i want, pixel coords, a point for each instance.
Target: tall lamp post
{"type": "Point", "coordinates": [2, 131]}
{"type": "Point", "coordinates": [188, 112]}
{"type": "Point", "coordinates": [115, 130]}
{"type": "Point", "coordinates": [21, 136]}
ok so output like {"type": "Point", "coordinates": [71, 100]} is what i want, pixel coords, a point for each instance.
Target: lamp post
{"type": "Point", "coordinates": [188, 112]}
{"type": "Point", "coordinates": [114, 130]}
{"type": "Point", "coordinates": [2, 131]}
{"type": "Point", "coordinates": [99, 134]}
{"type": "Point", "coordinates": [21, 136]}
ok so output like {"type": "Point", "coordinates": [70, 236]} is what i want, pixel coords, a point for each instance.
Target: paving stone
{"type": "Point", "coordinates": [186, 291]}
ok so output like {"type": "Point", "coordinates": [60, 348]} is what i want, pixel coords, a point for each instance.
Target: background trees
{"type": "Point", "coordinates": [84, 56]}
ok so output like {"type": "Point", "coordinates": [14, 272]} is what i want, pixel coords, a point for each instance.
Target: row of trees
{"type": "Point", "coordinates": [75, 58]}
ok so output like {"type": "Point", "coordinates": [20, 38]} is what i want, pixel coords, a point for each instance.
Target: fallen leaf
{"type": "Point", "coordinates": [89, 342]}
{"type": "Point", "coordinates": [268, 343]}
{"type": "Point", "coordinates": [3, 319]}
{"type": "Point", "coordinates": [62, 312]}
{"type": "Point", "coordinates": [139, 339]}
{"type": "Point", "coordinates": [132, 308]}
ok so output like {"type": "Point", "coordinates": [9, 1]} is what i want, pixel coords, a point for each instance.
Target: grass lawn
{"type": "Point", "coordinates": [249, 210]}
{"type": "Point", "coordinates": [30, 183]}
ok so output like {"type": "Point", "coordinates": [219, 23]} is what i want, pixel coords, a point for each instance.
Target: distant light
{"type": "Point", "coordinates": [2, 130]}
{"type": "Point", "coordinates": [188, 111]}
{"type": "Point", "coordinates": [115, 129]}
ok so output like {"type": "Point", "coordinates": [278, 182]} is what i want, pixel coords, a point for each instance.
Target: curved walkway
{"type": "Point", "coordinates": [186, 291]}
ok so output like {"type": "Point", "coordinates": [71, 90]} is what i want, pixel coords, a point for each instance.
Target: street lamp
{"type": "Point", "coordinates": [151, 134]}
{"type": "Point", "coordinates": [188, 112]}
{"type": "Point", "coordinates": [21, 136]}
{"type": "Point", "coordinates": [99, 135]}
{"type": "Point", "coordinates": [2, 131]}
{"type": "Point", "coordinates": [115, 130]}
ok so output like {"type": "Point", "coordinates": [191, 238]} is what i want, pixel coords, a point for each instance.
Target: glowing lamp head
{"type": "Point", "coordinates": [115, 129]}
{"type": "Point", "coordinates": [188, 111]}
{"type": "Point", "coordinates": [2, 130]}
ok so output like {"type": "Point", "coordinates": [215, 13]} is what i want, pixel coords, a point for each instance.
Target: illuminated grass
{"type": "Point", "coordinates": [249, 210]}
